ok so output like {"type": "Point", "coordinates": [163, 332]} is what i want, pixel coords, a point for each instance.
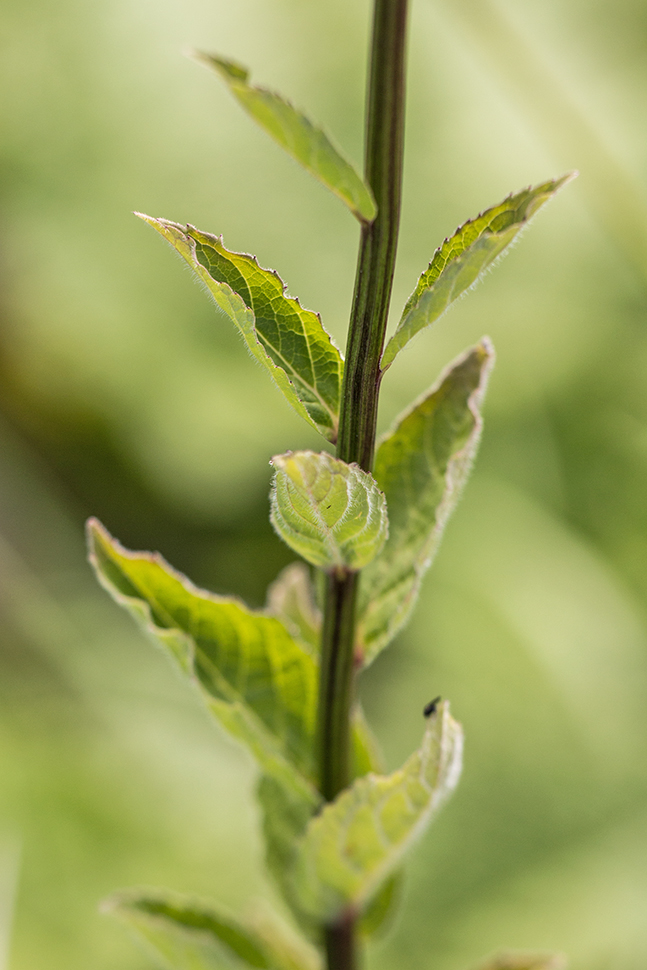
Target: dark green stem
{"type": "Point", "coordinates": [336, 683]}
{"type": "Point", "coordinates": [358, 417]}
{"type": "Point", "coordinates": [376, 262]}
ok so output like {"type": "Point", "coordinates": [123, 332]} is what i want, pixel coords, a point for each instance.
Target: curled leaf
{"type": "Point", "coordinates": [357, 842]}
{"type": "Point", "coordinates": [331, 513]}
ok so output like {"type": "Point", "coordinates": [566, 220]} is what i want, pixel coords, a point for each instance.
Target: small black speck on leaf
{"type": "Point", "coordinates": [430, 708]}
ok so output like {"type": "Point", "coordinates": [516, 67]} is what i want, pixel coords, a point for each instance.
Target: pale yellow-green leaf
{"type": "Point", "coordinates": [286, 816]}
{"type": "Point", "coordinates": [462, 259]}
{"type": "Point", "coordinates": [256, 680]}
{"type": "Point", "coordinates": [356, 842]}
{"type": "Point", "coordinates": [421, 465]}
{"type": "Point", "coordinates": [378, 916]}
{"type": "Point", "coordinates": [331, 513]}
{"type": "Point", "coordinates": [304, 141]}
{"type": "Point", "coordinates": [289, 949]}
{"type": "Point", "coordinates": [287, 340]}
{"type": "Point", "coordinates": [290, 599]}
{"type": "Point", "coordinates": [190, 934]}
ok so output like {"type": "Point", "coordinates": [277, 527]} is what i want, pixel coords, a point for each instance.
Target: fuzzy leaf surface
{"type": "Point", "coordinates": [291, 600]}
{"type": "Point", "coordinates": [525, 961]}
{"type": "Point", "coordinates": [189, 934]}
{"type": "Point", "coordinates": [331, 513]}
{"type": "Point", "coordinates": [356, 842]}
{"type": "Point", "coordinates": [256, 680]}
{"type": "Point", "coordinates": [421, 466]}
{"type": "Point", "coordinates": [461, 260]}
{"type": "Point", "coordinates": [304, 141]}
{"type": "Point", "coordinates": [289, 341]}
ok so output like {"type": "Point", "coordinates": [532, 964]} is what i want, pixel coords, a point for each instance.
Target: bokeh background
{"type": "Point", "coordinates": [123, 394]}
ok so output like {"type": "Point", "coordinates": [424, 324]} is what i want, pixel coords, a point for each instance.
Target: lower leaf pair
{"type": "Point", "coordinates": [189, 934]}
{"type": "Point", "coordinates": [261, 685]}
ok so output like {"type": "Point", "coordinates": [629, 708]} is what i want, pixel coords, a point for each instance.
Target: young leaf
{"type": "Point", "coordinates": [289, 341]}
{"type": "Point", "coordinates": [331, 513]}
{"type": "Point", "coordinates": [255, 679]}
{"type": "Point", "coordinates": [306, 143]}
{"type": "Point", "coordinates": [189, 934]}
{"type": "Point", "coordinates": [356, 842]}
{"type": "Point", "coordinates": [290, 599]}
{"type": "Point", "coordinates": [460, 261]}
{"type": "Point", "coordinates": [525, 961]}
{"type": "Point", "coordinates": [421, 466]}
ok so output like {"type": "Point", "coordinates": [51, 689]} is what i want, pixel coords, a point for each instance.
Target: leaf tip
{"type": "Point", "coordinates": [230, 71]}
{"type": "Point", "coordinates": [149, 219]}
{"type": "Point", "coordinates": [95, 532]}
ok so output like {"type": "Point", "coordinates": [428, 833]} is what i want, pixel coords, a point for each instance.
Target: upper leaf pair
{"type": "Point", "coordinates": [291, 341]}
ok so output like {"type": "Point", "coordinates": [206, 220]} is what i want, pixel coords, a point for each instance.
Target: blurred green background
{"type": "Point", "coordinates": [124, 395]}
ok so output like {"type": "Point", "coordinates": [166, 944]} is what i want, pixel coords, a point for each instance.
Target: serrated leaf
{"type": "Point", "coordinates": [289, 342]}
{"type": "Point", "coordinates": [356, 842]}
{"type": "Point", "coordinates": [189, 934]}
{"type": "Point", "coordinates": [256, 680]}
{"type": "Point", "coordinates": [331, 513]}
{"type": "Point", "coordinates": [525, 961]}
{"type": "Point", "coordinates": [291, 600]}
{"type": "Point", "coordinates": [304, 141]}
{"type": "Point", "coordinates": [462, 259]}
{"type": "Point", "coordinates": [421, 466]}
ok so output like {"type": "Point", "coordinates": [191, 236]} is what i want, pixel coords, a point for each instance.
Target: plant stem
{"type": "Point", "coordinates": [376, 261]}
{"type": "Point", "coordinates": [336, 682]}
{"type": "Point", "coordinates": [358, 417]}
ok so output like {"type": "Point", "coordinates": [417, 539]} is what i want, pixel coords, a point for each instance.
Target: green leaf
{"type": "Point", "coordinates": [306, 143]}
{"type": "Point", "coordinates": [525, 961]}
{"type": "Point", "coordinates": [286, 817]}
{"type": "Point", "coordinates": [461, 260]}
{"type": "Point", "coordinates": [356, 842]}
{"type": "Point", "coordinates": [289, 949]}
{"type": "Point", "coordinates": [256, 680]}
{"type": "Point", "coordinates": [189, 934]}
{"type": "Point", "coordinates": [380, 911]}
{"type": "Point", "coordinates": [289, 341]}
{"type": "Point", "coordinates": [329, 512]}
{"type": "Point", "coordinates": [421, 466]}
{"type": "Point", "coordinates": [291, 600]}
